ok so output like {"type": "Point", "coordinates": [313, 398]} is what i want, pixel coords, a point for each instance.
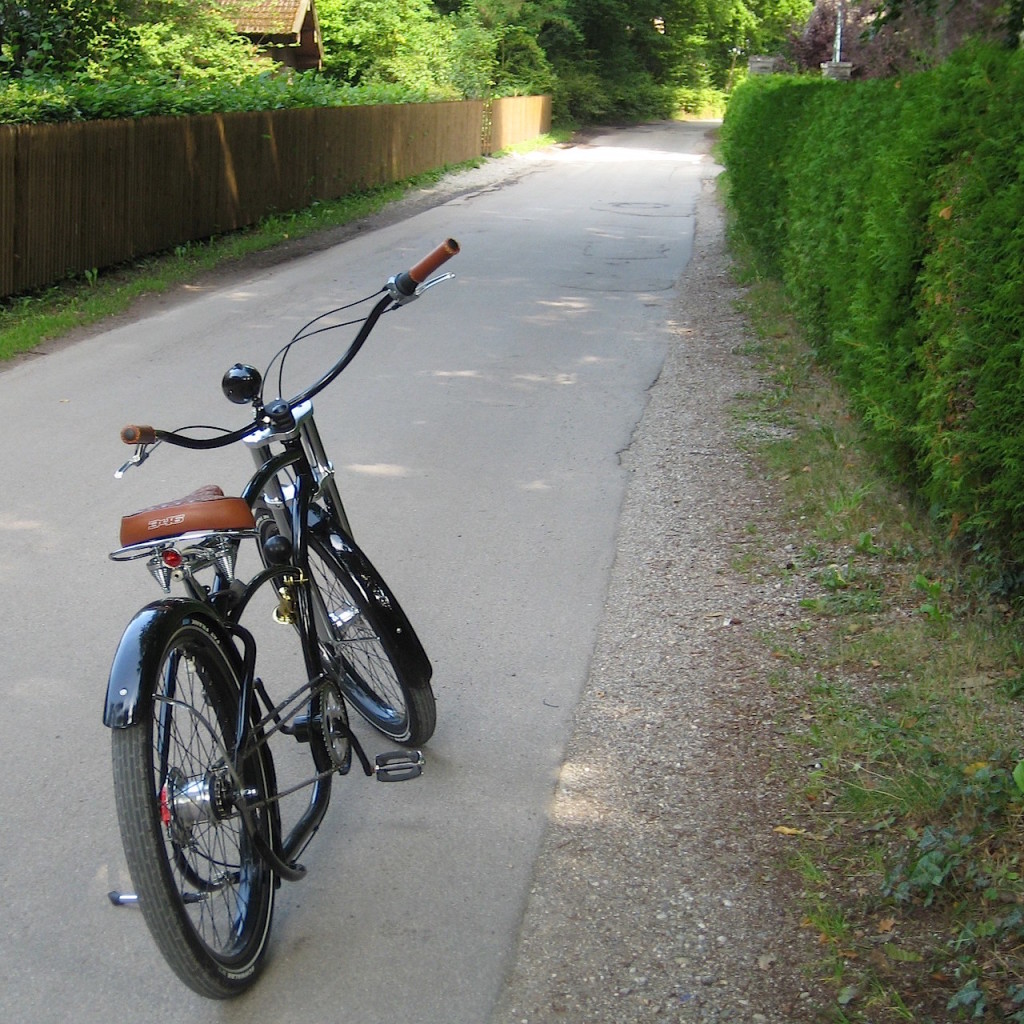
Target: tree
{"type": "Point", "coordinates": [101, 38]}
{"type": "Point", "coordinates": [680, 42]}
{"type": "Point", "coordinates": [891, 37]}
{"type": "Point", "coordinates": [1005, 15]}
{"type": "Point", "coordinates": [601, 59]}
{"type": "Point", "coordinates": [393, 41]}
{"type": "Point", "coordinates": [466, 47]}
{"type": "Point", "coordinates": [519, 29]}
{"type": "Point", "coordinates": [37, 35]}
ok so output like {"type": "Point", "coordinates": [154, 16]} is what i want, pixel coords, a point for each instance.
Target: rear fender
{"type": "Point", "coordinates": [129, 699]}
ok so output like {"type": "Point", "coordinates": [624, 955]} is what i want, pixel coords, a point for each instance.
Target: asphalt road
{"type": "Point", "coordinates": [477, 441]}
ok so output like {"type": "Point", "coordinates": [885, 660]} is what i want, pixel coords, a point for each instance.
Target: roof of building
{"type": "Point", "coordinates": [269, 17]}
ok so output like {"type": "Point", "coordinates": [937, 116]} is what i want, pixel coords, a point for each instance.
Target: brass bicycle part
{"type": "Point", "coordinates": [284, 613]}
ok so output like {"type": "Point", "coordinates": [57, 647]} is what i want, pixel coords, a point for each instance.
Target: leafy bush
{"type": "Point", "coordinates": [405, 42]}
{"type": "Point", "coordinates": [892, 210]}
{"type": "Point", "coordinates": [764, 116]}
{"type": "Point", "coordinates": [637, 97]}
{"type": "Point", "coordinates": [701, 100]}
{"type": "Point", "coordinates": [40, 99]}
{"type": "Point", "coordinates": [580, 97]}
{"type": "Point", "coordinates": [602, 62]}
{"type": "Point", "coordinates": [165, 57]}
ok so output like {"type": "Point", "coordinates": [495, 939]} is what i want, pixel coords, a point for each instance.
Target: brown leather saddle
{"type": "Point", "coordinates": [202, 510]}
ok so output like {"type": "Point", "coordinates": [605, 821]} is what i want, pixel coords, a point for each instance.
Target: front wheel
{"type": "Point", "coordinates": [206, 895]}
{"type": "Point", "coordinates": [368, 646]}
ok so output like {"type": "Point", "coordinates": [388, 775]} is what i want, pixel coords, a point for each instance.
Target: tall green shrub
{"type": "Point", "coordinates": [888, 137]}
{"type": "Point", "coordinates": [893, 211]}
{"type": "Point", "coordinates": [970, 430]}
{"type": "Point", "coordinates": [822, 208]}
{"type": "Point", "coordinates": [764, 116]}
{"type": "Point", "coordinates": [875, 346]}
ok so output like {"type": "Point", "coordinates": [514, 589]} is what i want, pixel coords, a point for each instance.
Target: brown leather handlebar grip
{"type": "Point", "coordinates": [405, 283]}
{"type": "Point", "coordinates": [133, 434]}
{"type": "Point", "coordinates": [426, 266]}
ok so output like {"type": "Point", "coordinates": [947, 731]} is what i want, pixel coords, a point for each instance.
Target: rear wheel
{"type": "Point", "coordinates": [205, 893]}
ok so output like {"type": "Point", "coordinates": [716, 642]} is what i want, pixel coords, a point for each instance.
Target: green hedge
{"type": "Point", "coordinates": [39, 98]}
{"type": "Point", "coordinates": [893, 210]}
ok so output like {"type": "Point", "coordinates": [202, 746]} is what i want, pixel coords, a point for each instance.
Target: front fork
{"type": "Point", "coordinates": [280, 497]}
{"type": "Point", "coordinates": [291, 510]}
{"type": "Point", "coordinates": [289, 503]}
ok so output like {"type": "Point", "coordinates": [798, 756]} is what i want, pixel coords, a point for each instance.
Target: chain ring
{"type": "Point", "coordinates": [334, 727]}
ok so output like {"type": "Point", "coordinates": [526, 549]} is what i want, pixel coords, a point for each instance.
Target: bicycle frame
{"type": "Point", "coordinates": [220, 609]}
{"type": "Point", "coordinates": [290, 503]}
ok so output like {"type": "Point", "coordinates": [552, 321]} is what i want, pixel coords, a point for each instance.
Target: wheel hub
{"type": "Point", "coordinates": [187, 802]}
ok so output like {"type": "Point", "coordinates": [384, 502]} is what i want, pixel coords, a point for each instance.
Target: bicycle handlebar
{"type": "Point", "coordinates": [406, 282]}
{"type": "Point", "coordinates": [133, 434]}
{"type": "Point", "coordinates": [400, 288]}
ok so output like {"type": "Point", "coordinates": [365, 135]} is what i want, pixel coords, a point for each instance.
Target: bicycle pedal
{"type": "Point", "coordinates": [398, 765]}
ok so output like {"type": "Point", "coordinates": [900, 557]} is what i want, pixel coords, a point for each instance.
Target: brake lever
{"type": "Point", "coordinates": [404, 300]}
{"type": "Point", "coordinates": [140, 456]}
{"type": "Point", "coordinates": [434, 280]}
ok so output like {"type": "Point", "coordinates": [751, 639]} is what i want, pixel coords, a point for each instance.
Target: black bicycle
{"type": "Point", "coordinates": [197, 795]}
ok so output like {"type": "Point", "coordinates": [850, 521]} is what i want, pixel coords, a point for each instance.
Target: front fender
{"type": "Point", "coordinates": [385, 611]}
{"type": "Point", "coordinates": [142, 646]}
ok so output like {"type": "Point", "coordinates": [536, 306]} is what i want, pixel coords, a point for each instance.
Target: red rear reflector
{"type": "Point", "coordinates": [171, 558]}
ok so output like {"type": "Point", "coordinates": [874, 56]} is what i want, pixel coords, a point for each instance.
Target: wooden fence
{"type": "Point", "coordinates": [515, 120]}
{"type": "Point", "coordinates": [81, 196]}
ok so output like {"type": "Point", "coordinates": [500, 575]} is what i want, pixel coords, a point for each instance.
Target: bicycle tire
{"type": "Point", "coordinates": [380, 669]}
{"type": "Point", "coordinates": [205, 894]}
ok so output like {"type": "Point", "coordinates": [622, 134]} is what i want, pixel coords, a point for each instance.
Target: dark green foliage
{"type": "Point", "coordinates": [43, 99]}
{"type": "Point", "coordinates": [155, 39]}
{"type": "Point", "coordinates": [971, 308]}
{"type": "Point", "coordinates": [35, 36]}
{"type": "Point", "coordinates": [764, 118]}
{"type": "Point", "coordinates": [73, 59]}
{"type": "Point", "coordinates": [893, 211]}
{"type": "Point", "coordinates": [402, 42]}
{"type": "Point", "coordinates": [601, 60]}
{"type": "Point", "coordinates": [968, 866]}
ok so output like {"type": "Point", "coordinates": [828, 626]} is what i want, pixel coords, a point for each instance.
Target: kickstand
{"type": "Point", "coordinates": [123, 899]}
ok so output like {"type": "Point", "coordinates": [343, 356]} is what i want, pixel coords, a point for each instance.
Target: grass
{"type": "Point", "coordinates": [29, 320]}
{"type": "Point", "coordinates": [902, 684]}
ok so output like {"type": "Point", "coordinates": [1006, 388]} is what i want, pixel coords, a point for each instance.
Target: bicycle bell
{"type": "Point", "coordinates": [241, 384]}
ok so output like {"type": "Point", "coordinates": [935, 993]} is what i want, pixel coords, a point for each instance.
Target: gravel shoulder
{"type": "Point", "coordinates": [662, 891]}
